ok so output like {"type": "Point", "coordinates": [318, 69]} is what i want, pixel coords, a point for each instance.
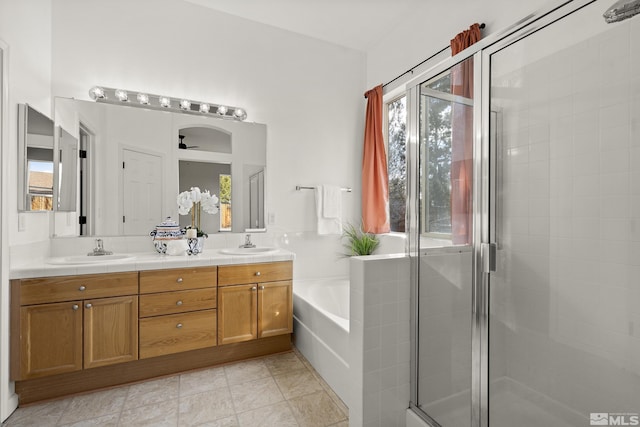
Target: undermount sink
{"type": "Point", "coordinates": [87, 259]}
{"type": "Point", "coordinates": [248, 251]}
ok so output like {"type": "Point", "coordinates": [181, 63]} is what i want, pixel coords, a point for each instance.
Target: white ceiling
{"type": "Point", "coordinates": [357, 24]}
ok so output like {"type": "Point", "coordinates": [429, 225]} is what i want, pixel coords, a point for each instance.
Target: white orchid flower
{"type": "Point", "coordinates": [209, 203]}
{"type": "Point", "coordinates": [184, 202]}
{"type": "Point", "coordinates": [196, 195]}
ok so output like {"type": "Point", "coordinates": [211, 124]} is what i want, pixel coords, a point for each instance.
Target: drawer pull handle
{"type": "Point", "coordinates": [254, 288]}
{"type": "Point", "coordinates": [179, 280]}
{"type": "Point", "coordinates": [75, 307]}
{"type": "Point", "coordinates": [179, 303]}
{"type": "Point", "coordinates": [179, 326]}
{"type": "Point", "coordinates": [262, 287]}
{"type": "Point", "coordinates": [88, 305]}
{"type": "Point", "coordinates": [82, 288]}
{"type": "Point", "coordinates": [258, 273]}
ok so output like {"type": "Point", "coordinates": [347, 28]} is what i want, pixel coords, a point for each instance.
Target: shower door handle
{"type": "Point", "coordinates": [488, 254]}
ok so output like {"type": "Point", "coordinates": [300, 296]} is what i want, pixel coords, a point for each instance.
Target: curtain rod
{"type": "Point", "coordinates": [482, 26]}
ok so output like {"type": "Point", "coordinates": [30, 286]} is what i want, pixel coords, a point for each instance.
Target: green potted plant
{"type": "Point", "coordinates": [359, 242]}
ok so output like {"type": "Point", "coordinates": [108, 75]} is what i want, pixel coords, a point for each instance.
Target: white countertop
{"type": "Point", "coordinates": [143, 261]}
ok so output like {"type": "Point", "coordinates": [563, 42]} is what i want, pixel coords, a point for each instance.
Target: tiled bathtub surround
{"type": "Point", "coordinates": [379, 340]}
{"type": "Point", "coordinates": [279, 390]}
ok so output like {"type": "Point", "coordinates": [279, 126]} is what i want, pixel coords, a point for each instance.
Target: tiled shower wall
{"type": "Point", "coordinates": [566, 309]}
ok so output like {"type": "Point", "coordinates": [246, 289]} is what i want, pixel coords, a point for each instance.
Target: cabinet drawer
{"type": "Point", "coordinates": [67, 288]}
{"type": "Point", "coordinates": [177, 279]}
{"type": "Point", "coordinates": [254, 273]}
{"type": "Point", "coordinates": [177, 302]}
{"type": "Point", "coordinates": [175, 333]}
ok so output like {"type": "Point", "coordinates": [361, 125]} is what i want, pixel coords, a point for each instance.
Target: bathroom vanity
{"type": "Point", "coordinates": [73, 333]}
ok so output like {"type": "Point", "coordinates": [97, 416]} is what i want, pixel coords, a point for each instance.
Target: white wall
{"type": "Point", "coordinates": [25, 30]}
{"type": "Point", "coordinates": [309, 93]}
{"type": "Point", "coordinates": [432, 27]}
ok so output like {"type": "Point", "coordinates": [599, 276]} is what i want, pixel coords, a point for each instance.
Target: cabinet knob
{"type": "Point", "coordinates": [254, 288]}
{"type": "Point", "coordinates": [179, 280]}
{"type": "Point", "coordinates": [257, 273]}
{"type": "Point", "coordinates": [88, 305]}
{"type": "Point", "coordinates": [179, 325]}
{"type": "Point", "coordinates": [82, 288]}
{"type": "Point", "coordinates": [75, 307]}
{"type": "Point", "coordinates": [262, 287]}
{"type": "Point", "coordinates": [179, 303]}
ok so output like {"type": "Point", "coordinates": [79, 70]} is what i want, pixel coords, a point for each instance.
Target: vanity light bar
{"type": "Point", "coordinates": [159, 102]}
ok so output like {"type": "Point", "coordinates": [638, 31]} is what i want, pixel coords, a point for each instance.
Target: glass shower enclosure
{"type": "Point", "coordinates": [525, 234]}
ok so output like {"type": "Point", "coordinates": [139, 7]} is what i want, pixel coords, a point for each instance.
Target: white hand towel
{"type": "Point", "coordinates": [332, 202]}
{"type": "Point", "coordinates": [327, 225]}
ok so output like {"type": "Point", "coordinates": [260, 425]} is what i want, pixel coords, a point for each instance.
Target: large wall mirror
{"type": "Point", "coordinates": [135, 161]}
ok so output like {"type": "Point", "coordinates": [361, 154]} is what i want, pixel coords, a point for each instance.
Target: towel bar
{"type": "Point", "coordinates": [300, 187]}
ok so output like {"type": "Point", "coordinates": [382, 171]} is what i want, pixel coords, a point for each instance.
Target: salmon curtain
{"type": "Point", "coordinates": [375, 179]}
{"type": "Point", "coordinates": [462, 140]}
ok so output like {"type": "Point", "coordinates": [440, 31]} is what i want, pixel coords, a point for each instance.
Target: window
{"type": "Point", "coordinates": [446, 153]}
{"type": "Point", "coordinates": [396, 161]}
{"type": "Point", "coordinates": [39, 183]}
{"type": "Point", "coordinates": [225, 201]}
{"type": "Point", "coordinates": [436, 156]}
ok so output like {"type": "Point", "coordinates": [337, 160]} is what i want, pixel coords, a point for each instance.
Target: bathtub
{"type": "Point", "coordinates": [321, 329]}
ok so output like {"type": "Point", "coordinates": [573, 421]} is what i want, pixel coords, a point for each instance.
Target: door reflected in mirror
{"type": "Point", "coordinates": [68, 156]}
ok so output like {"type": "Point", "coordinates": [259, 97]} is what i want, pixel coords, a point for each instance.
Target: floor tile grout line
{"type": "Point", "coordinates": [233, 403]}
{"type": "Point", "coordinates": [126, 398]}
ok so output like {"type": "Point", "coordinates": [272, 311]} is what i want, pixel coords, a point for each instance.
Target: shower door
{"type": "Point", "coordinates": [444, 245]}
{"type": "Point", "coordinates": [564, 300]}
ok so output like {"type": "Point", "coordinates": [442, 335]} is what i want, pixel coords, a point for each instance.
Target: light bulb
{"type": "Point", "coordinates": [204, 108]}
{"type": "Point", "coordinates": [240, 114]}
{"type": "Point", "coordinates": [165, 101]}
{"type": "Point", "coordinates": [185, 104]}
{"type": "Point", "coordinates": [97, 92]}
{"type": "Point", "coordinates": [143, 98]}
{"type": "Point", "coordinates": [222, 110]}
{"type": "Point", "coordinates": [122, 95]}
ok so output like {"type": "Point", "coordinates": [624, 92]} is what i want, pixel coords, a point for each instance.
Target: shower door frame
{"type": "Point", "coordinates": [484, 185]}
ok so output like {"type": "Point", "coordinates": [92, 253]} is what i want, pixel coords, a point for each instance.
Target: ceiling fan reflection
{"type": "Point", "coordinates": [183, 146]}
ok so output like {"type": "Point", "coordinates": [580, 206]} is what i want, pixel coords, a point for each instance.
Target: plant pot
{"type": "Point", "coordinates": [196, 246]}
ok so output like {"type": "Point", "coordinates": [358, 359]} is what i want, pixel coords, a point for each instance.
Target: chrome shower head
{"type": "Point", "coordinates": [622, 9]}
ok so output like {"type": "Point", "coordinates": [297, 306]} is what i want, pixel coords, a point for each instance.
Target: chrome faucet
{"type": "Point", "coordinates": [247, 242]}
{"type": "Point", "coordinates": [99, 249]}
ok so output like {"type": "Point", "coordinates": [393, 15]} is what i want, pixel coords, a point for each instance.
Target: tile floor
{"type": "Point", "coordinates": [273, 391]}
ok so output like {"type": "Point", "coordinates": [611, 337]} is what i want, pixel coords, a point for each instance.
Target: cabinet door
{"type": "Point", "coordinates": [237, 313]}
{"type": "Point", "coordinates": [51, 339]}
{"type": "Point", "coordinates": [110, 331]}
{"type": "Point", "coordinates": [275, 309]}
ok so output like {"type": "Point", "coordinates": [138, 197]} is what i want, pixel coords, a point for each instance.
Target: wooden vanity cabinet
{"type": "Point", "coordinates": [254, 301]}
{"type": "Point", "coordinates": [67, 323]}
